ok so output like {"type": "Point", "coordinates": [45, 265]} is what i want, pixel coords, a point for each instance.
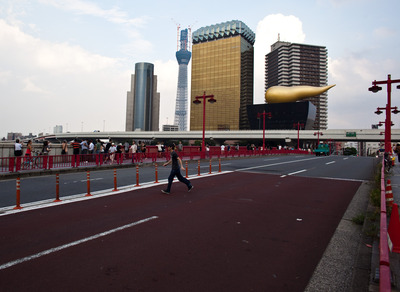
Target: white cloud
{"type": "Point", "coordinates": [167, 77]}
{"type": "Point", "coordinates": [289, 29]}
{"type": "Point", "coordinates": [50, 83]}
{"type": "Point", "coordinates": [350, 104]}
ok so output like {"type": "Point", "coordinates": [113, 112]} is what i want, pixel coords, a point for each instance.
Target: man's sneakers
{"type": "Point", "coordinates": [167, 193]}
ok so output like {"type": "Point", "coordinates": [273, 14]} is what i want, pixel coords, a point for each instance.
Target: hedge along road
{"type": "Point", "coordinates": [239, 231]}
{"type": "Point", "coordinates": [44, 187]}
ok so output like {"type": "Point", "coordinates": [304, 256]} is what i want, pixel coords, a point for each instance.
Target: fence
{"type": "Point", "coordinates": [46, 162]}
{"type": "Point", "coordinates": [384, 262]}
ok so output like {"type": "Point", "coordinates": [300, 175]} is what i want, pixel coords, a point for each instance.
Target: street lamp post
{"type": "Point", "coordinates": [263, 114]}
{"type": "Point", "coordinates": [298, 133]}
{"type": "Point", "coordinates": [318, 133]}
{"type": "Point", "coordinates": [198, 101]}
{"type": "Point", "coordinates": [388, 123]}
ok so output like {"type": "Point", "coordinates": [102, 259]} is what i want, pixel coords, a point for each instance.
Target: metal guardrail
{"type": "Point", "coordinates": [384, 262]}
{"type": "Point", "coordinates": [47, 162]}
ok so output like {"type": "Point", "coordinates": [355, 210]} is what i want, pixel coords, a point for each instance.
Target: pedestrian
{"type": "Point", "coordinates": [64, 147]}
{"type": "Point", "coordinates": [17, 148]}
{"type": "Point", "coordinates": [397, 151]}
{"type": "Point", "coordinates": [75, 146]}
{"type": "Point", "coordinates": [28, 153]}
{"type": "Point", "coordinates": [175, 171]}
{"type": "Point", "coordinates": [46, 148]}
{"type": "Point", "coordinates": [112, 150]}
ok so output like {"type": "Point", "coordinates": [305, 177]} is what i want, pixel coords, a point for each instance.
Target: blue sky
{"type": "Point", "coordinates": [69, 62]}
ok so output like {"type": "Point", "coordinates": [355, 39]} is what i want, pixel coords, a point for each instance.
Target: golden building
{"type": "Point", "coordinates": [223, 66]}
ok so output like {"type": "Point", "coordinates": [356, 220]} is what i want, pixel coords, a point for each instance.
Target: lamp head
{"type": "Point", "coordinates": [395, 111]}
{"type": "Point", "coordinates": [212, 100]}
{"type": "Point", "coordinates": [196, 101]}
{"type": "Point", "coordinates": [378, 112]}
{"type": "Point", "coordinates": [375, 88]}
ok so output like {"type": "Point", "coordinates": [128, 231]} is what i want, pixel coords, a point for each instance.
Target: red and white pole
{"type": "Point", "coordinates": [115, 180]}
{"type": "Point", "coordinates": [57, 188]}
{"type": "Point", "coordinates": [88, 184]}
{"type": "Point", "coordinates": [156, 169]}
{"type": "Point", "coordinates": [137, 176]}
{"type": "Point", "coordinates": [18, 206]}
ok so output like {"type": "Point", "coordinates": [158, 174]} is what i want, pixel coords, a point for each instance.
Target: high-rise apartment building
{"type": "Point", "coordinates": [143, 101]}
{"type": "Point", "coordinates": [222, 65]}
{"type": "Point", "coordinates": [291, 64]}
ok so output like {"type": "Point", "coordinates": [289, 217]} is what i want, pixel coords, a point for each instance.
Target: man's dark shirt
{"type": "Point", "coordinates": [174, 158]}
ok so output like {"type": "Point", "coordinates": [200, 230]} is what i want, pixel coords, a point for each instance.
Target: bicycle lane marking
{"type": "Point", "coordinates": [74, 243]}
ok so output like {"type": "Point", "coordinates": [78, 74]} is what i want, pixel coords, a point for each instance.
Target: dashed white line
{"type": "Point", "coordinates": [330, 162]}
{"type": "Point", "coordinates": [61, 247]}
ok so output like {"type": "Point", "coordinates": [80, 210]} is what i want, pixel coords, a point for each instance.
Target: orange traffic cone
{"type": "Point", "coordinates": [394, 230]}
{"type": "Point", "coordinates": [389, 194]}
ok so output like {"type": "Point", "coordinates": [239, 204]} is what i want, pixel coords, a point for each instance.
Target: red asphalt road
{"type": "Point", "coordinates": [233, 232]}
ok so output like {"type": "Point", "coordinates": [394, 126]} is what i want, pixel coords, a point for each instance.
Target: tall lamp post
{"type": "Point", "coordinates": [388, 123]}
{"type": "Point", "coordinates": [211, 99]}
{"type": "Point", "coordinates": [298, 133]}
{"type": "Point", "coordinates": [318, 133]}
{"type": "Point", "coordinates": [263, 114]}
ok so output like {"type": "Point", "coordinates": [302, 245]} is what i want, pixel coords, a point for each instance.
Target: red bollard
{"type": "Point", "coordinates": [156, 167]}
{"type": "Point", "coordinates": [115, 180]}
{"type": "Point", "coordinates": [198, 167]}
{"type": "Point", "coordinates": [57, 188]}
{"type": "Point", "coordinates": [210, 167]}
{"type": "Point", "coordinates": [219, 165]}
{"type": "Point", "coordinates": [137, 176]}
{"type": "Point", "coordinates": [186, 169]}
{"type": "Point", "coordinates": [18, 206]}
{"type": "Point", "coordinates": [88, 184]}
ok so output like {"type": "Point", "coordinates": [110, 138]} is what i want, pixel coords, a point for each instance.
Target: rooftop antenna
{"type": "Point", "coordinates": [279, 37]}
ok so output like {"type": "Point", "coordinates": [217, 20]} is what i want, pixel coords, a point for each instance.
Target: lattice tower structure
{"type": "Point", "coordinates": [181, 107]}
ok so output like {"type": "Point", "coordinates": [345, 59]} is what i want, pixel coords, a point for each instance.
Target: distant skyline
{"type": "Point", "coordinates": [69, 62]}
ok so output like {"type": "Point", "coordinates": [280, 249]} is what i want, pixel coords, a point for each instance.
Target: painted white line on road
{"type": "Point", "coordinates": [279, 163]}
{"type": "Point", "coordinates": [296, 172]}
{"type": "Point", "coordinates": [330, 162]}
{"type": "Point", "coordinates": [61, 247]}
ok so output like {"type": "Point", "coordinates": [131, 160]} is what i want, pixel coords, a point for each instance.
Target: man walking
{"type": "Point", "coordinates": [175, 171]}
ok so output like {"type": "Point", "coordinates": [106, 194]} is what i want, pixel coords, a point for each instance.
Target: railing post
{"type": "Point", "coordinates": [186, 164]}
{"type": "Point", "coordinates": [210, 167]}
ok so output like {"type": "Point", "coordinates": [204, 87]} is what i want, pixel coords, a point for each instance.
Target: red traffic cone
{"type": "Point", "coordinates": [389, 194]}
{"type": "Point", "coordinates": [394, 230]}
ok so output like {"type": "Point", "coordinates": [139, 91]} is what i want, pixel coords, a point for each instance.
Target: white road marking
{"type": "Point", "coordinates": [296, 172]}
{"type": "Point", "coordinates": [279, 163]}
{"type": "Point", "coordinates": [61, 247]}
{"type": "Point", "coordinates": [330, 162]}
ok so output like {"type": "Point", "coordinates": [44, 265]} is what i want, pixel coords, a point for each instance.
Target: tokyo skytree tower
{"type": "Point", "coordinates": [183, 56]}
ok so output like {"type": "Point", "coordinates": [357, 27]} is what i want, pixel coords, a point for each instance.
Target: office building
{"type": "Point", "coordinates": [143, 101]}
{"type": "Point", "coordinates": [183, 58]}
{"type": "Point", "coordinates": [291, 64]}
{"type": "Point", "coordinates": [223, 66]}
{"type": "Point", "coordinates": [58, 129]}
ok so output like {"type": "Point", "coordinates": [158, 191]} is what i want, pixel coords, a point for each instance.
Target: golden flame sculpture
{"type": "Point", "coordinates": [281, 94]}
